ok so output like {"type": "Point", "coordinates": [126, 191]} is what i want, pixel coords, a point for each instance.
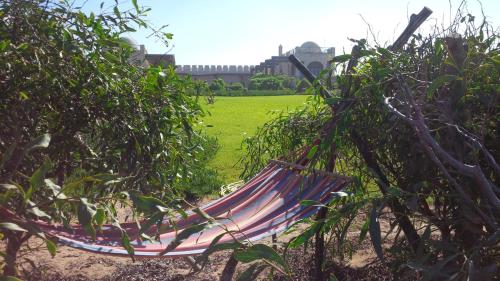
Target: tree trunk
{"type": "Point", "coordinates": [399, 210]}
{"type": "Point", "coordinates": [319, 251]}
{"type": "Point", "coordinates": [14, 242]}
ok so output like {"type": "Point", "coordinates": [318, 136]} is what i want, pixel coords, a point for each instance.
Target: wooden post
{"type": "Point", "coordinates": [415, 22]}
{"type": "Point", "coordinates": [319, 249]}
{"type": "Point", "coordinates": [308, 75]}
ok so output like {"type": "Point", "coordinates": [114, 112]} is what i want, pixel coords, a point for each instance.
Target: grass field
{"type": "Point", "coordinates": [231, 119]}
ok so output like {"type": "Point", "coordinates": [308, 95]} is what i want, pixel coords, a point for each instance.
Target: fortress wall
{"type": "Point", "coordinates": [228, 77]}
{"type": "Point", "coordinates": [213, 69]}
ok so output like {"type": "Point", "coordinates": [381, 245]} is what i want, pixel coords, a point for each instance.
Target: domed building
{"type": "Point", "coordinates": [309, 53]}
{"type": "Point", "coordinates": [310, 47]}
{"type": "Point", "coordinates": [314, 57]}
{"type": "Point", "coordinates": [141, 57]}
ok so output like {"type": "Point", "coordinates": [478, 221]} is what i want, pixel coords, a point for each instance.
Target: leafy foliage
{"type": "Point", "coordinates": [421, 125]}
{"type": "Point", "coordinates": [83, 129]}
{"type": "Point", "coordinates": [217, 85]}
{"type": "Point", "coordinates": [262, 81]}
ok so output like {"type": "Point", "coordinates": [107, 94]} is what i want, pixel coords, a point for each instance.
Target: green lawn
{"type": "Point", "coordinates": [231, 119]}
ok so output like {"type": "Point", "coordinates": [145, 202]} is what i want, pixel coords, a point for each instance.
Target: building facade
{"type": "Point", "coordinates": [309, 53]}
{"type": "Point", "coordinates": [141, 57]}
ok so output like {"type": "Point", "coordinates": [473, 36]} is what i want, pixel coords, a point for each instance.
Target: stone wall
{"type": "Point", "coordinates": [213, 69]}
{"type": "Point", "coordinates": [208, 73]}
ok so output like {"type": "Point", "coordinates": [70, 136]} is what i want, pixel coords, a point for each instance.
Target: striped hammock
{"type": "Point", "coordinates": [266, 205]}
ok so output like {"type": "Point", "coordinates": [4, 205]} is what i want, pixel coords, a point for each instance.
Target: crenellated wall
{"type": "Point", "coordinates": [311, 54]}
{"type": "Point", "coordinates": [214, 69]}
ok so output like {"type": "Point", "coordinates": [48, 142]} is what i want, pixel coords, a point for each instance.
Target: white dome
{"type": "Point", "coordinates": [311, 47]}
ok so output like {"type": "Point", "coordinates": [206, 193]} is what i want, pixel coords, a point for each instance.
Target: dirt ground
{"type": "Point", "coordinates": [71, 264]}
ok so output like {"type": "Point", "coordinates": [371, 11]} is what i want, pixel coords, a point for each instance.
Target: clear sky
{"type": "Point", "coordinates": [248, 32]}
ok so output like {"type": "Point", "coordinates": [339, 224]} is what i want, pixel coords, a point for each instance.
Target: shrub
{"type": "Point", "coordinates": [82, 129]}
{"type": "Point", "coordinates": [217, 85]}
{"type": "Point", "coordinates": [236, 86]}
{"type": "Point", "coordinates": [202, 180]}
{"type": "Point", "coordinates": [265, 82]}
{"type": "Point", "coordinates": [262, 81]}
{"type": "Point", "coordinates": [421, 125]}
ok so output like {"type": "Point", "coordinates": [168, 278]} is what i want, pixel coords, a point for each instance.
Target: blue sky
{"type": "Point", "coordinates": [248, 32]}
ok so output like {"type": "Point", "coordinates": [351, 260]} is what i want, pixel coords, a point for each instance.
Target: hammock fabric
{"type": "Point", "coordinates": [268, 204]}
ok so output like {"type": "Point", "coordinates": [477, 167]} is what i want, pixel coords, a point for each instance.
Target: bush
{"type": "Point", "coordinates": [418, 131]}
{"type": "Point", "coordinates": [82, 129]}
{"type": "Point", "coordinates": [262, 81]}
{"type": "Point", "coordinates": [217, 85]}
{"type": "Point", "coordinates": [237, 86]}
{"type": "Point", "coordinates": [202, 180]}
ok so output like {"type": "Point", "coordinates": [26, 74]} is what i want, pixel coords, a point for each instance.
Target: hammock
{"type": "Point", "coordinates": [268, 204]}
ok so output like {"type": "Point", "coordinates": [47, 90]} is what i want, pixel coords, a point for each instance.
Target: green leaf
{"type": "Point", "coordinates": [42, 141]}
{"type": "Point", "coordinates": [260, 251]}
{"type": "Point", "coordinates": [308, 203]}
{"type": "Point", "coordinates": [304, 236]}
{"type": "Point", "coordinates": [51, 247]}
{"type": "Point", "coordinates": [6, 186]}
{"type": "Point", "coordinates": [146, 204]}
{"type": "Point", "coordinates": [438, 82]}
{"type": "Point", "coordinates": [4, 44]}
{"type": "Point", "coordinates": [214, 247]}
{"type": "Point", "coordinates": [86, 214]}
{"type": "Point", "coordinates": [134, 2]}
{"type": "Point", "coordinates": [154, 219]}
{"type": "Point", "coordinates": [375, 233]}
{"type": "Point", "coordinates": [35, 230]}
{"type": "Point", "coordinates": [202, 214]}
{"type": "Point", "coordinates": [163, 209]}
{"type": "Point", "coordinates": [12, 227]}
{"type": "Point", "coordinates": [495, 59]}
{"type": "Point", "coordinates": [56, 189]}
{"type": "Point", "coordinates": [364, 230]}
{"type": "Point", "coordinates": [100, 217]}
{"type": "Point", "coordinates": [68, 187]}
{"type": "Point", "coordinates": [117, 12]}
{"type": "Point", "coordinates": [183, 235]}
{"type": "Point", "coordinates": [339, 194]}
{"type": "Point", "coordinates": [332, 100]}
{"type": "Point", "coordinates": [126, 244]}
{"type": "Point", "coordinates": [37, 212]}
{"type": "Point", "coordinates": [312, 152]}
{"type": "Point", "coordinates": [37, 179]}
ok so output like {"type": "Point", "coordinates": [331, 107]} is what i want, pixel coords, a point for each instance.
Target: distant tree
{"type": "Point", "coordinates": [261, 81]}
{"type": "Point", "coordinates": [236, 86]}
{"type": "Point", "coordinates": [217, 85]}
